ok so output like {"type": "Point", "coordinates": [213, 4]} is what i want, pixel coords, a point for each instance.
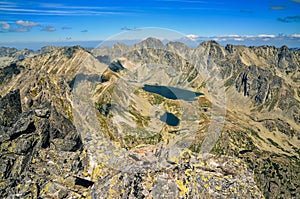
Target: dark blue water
{"type": "Point", "coordinates": [170, 119]}
{"type": "Point", "coordinates": [172, 92]}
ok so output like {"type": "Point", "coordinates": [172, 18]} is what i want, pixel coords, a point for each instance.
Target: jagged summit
{"type": "Point", "coordinates": [119, 45]}
{"type": "Point", "coordinates": [59, 61]}
{"type": "Point", "coordinates": [151, 42]}
{"type": "Point", "coordinates": [213, 49]}
{"type": "Point", "coordinates": [210, 43]}
{"type": "Point", "coordinates": [177, 44]}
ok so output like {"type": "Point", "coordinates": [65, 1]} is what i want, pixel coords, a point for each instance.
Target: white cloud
{"type": "Point", "coordinates": [295, 35]}
{"type": "Point", "coordinates": [220, 38]}
{"type": "Point", "coordinates": [249, 36]}
{"type": "Point", "coordinates": [5, 25]}
{"type": "Point", "coordinates": [230, 35]}
{"type": "Point", "coordinates": [48, 29]}
{"type": "Point", "coordinates": [64, 11]}
{"type": "Point", "coordinates": [192, 37]}
{"type": "Point", "coordinates": [291, 40]}
{"type": "Point", "coordinates": [239, 39]}
{"type": "Point", "coordinates": [245, 38]}
{"type": "Point", "coordinates": [266, 35]}
{"type": "Point", "coordinates": [18, 26]}
{"type": "Point", "coordinates": [26, 23]}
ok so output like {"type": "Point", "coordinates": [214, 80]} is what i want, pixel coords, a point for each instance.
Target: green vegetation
{"type": "Point", "coordinates": [140, 120]}
{"type": "Point", "coordinates": [276, 145]}
{"type": "Point", "coordinates": [254, 133]}
{"type": "Point", "coordinates": [133, 141]}
{"type": "Point", "coordinates": [156, 99]}
{"type": "Point", "coordinates": [204, 102]}
{"type": "Point", "coordinates": [273, 143]}
{"type": "Point", "coordinates": [203, 85]}
{"type": "Point", "coordinates": [192, 76]}
{"type": "Point", "coordinates": [273, 102]}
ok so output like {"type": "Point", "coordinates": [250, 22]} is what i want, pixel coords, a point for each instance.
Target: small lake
{"type": "Point", "coordinates": [170, 119]}
{"type": "Point", "coordinates": [172, 92]}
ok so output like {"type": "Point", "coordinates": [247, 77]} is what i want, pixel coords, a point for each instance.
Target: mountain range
{"type": "Point", "coordinates": [150, 120]}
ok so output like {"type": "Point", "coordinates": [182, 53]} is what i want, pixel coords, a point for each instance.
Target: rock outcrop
{"type": "Point", "coordinates": [27, 140]}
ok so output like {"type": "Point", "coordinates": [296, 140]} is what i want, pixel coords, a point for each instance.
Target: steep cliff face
{"type": "Point", "coordinates": [39, 142]}
{"type": "Point", "coordinates": [51, 148]}
{"type": "Point", "coordinates": [268, 79]}
{"type": "Point", "coordinates": [266, 68]}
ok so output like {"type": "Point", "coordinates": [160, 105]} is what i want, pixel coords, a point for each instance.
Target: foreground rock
{"type": "Point", "coordinates": [31, 144]}
{"type": "Point", "coordinates": [42, 156]}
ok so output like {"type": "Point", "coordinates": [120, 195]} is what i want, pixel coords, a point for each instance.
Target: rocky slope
{"type": "Point", "coordinates": [75, 124]}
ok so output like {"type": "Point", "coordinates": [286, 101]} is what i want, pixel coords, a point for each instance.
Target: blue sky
{"type": "Point", "coordinates": [66, 21]}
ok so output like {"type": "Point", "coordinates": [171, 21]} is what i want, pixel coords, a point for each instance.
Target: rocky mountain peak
{"type": "Point", "coordinates": [284, 48]}
{"type": "Point", "coordinates": [213, 48]}
{"type": "Point", "coordinates": [151, 42]}
{"type": "Point", "coordinates": [234, 48]}
{"type": "Point", "coordinates": [210, 43]}
{"type": "Point", "coordinates": [119, 48]}
{"type": "Point", "coordinates": [119, 45]}
{"type": "Point", "coordinates": [47, 49]}
{"type": "Point", "coordinates": [177, 46]}
{"type": "Point", "coordinates": [64, 61]}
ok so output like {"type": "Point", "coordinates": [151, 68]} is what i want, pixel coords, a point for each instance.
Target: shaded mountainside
{"type": "Point", "coordinates": [45, 154]}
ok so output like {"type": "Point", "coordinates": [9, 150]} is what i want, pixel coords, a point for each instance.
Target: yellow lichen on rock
{"type": "Point", "coordinates": [183, 189]}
